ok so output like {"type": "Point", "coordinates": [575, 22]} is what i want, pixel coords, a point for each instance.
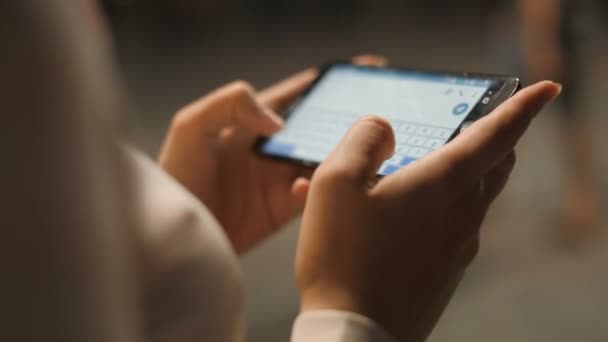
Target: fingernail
{"type": "Point", "coordinates": [547, 97]}
{"type": "Point", "coordinates": [376, 121]}
{"type": "Point", "coordinates": [559, 87]}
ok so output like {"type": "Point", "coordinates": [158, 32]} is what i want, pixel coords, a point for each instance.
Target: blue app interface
{"type": "Point", "coordinates": [423, 109]}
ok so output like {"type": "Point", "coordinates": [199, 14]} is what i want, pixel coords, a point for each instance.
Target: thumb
{"type": "Point", "coordinates": [232, 105]}
{"type": "Point", "coordinates": [360, 153]}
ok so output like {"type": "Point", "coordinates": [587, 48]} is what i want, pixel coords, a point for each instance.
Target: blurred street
{"type": "Point", "coordinates": [527, 284]}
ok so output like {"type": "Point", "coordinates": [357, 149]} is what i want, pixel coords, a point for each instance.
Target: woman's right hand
{"type": "Point", "coordinates": [395, 250]}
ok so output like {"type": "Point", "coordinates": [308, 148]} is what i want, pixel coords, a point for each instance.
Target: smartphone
{"type": "Point", "coordinates": [426, 109]}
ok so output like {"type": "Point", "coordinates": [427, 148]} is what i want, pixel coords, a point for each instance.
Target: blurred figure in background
{"type": "Point", "coordinates": [551, 39]}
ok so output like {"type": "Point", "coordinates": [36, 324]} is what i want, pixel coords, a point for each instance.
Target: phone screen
{"type": "Point", "coordinates": [424, 109]}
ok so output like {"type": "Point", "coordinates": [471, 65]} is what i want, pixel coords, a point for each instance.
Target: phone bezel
{"type": "Point", "coordinates": [504, 88]}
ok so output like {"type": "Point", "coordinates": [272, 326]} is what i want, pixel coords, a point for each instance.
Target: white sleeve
{"type": "Point", "coordinates": [192, 289]}
{"type": "Point", "coordinates": [337, 326]}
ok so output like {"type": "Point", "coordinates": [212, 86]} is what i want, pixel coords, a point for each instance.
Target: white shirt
{"type": "Point", "coordinates": [200, 275]}
{"type": "Point", "coordinates": [99, 244]}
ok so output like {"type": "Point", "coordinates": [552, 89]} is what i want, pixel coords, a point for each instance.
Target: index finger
{"type": "Point", "coordinates": [277, 97]}
{"type": "Point", "coordinates": [477, 150]}
{"type": "Point", "coordinates": [489, 140]}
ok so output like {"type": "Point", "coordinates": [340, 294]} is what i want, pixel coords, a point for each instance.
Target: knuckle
{"type": "Point", "coordinates": [453, 168]}
{"type": "Point", "coordinates": [243, 97]}
{"type": "Point", "coordinates": [512, 126]}
{"type": "Point", "coordinates": [507, 123]}
{"type": "Point", "coordinates": [180, 120]}
{"type": "Point", "coordinates": [335, 175]}
{"type": "Point", "coordinates": [241, 88]}
{"type": "Point", "coordinates": [446, 181]}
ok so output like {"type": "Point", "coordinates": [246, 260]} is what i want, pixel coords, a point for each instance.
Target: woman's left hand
{"type": "Point", "coordinates": [208, 149]}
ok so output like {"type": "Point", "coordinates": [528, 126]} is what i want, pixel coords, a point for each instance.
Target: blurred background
{"type": "Point", "coordinates": [542, 272]}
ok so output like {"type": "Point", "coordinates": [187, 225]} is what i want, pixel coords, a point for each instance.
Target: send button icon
{"type": "Point", "coordinates": [460, 108]}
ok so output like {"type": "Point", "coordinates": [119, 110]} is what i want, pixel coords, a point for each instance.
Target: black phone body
{"type": "Point", "coordinates": [426, 109]}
